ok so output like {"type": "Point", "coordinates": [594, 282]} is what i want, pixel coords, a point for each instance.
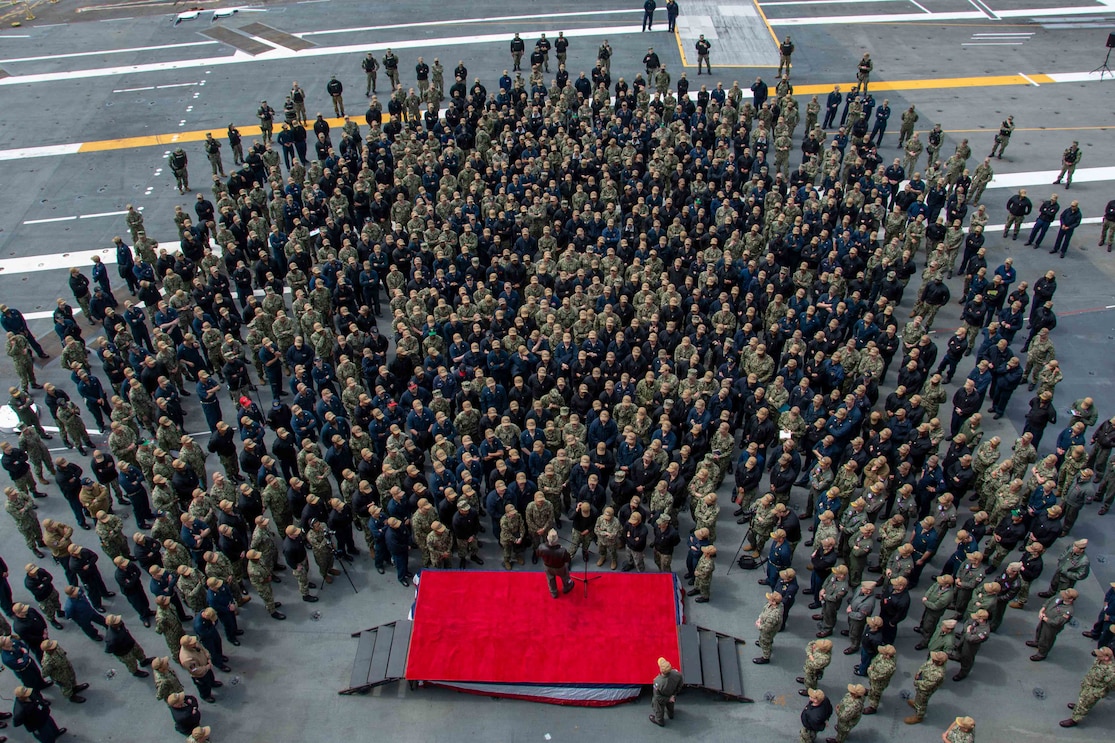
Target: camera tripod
{"type": "Point", "coordinates": [1103, 69]}
{"type": "Point", "coordinates": [338, 559]}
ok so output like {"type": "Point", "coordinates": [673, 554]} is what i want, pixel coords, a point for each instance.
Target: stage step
{"type": "Point", "coordinates": [381, 656]}
{"type": "Point", "coordinates": [710, 660]}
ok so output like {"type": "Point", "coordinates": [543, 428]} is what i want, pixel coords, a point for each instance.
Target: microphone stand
{"type": "Point", "coordinates": [584, 577]}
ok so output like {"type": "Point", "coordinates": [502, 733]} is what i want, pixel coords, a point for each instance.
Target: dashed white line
{"type": "Point", "coordinates": [97, 215]}
{"type": "Point", "coordinates": [1028, 79]}
{"type": "Point", "coordinates": [154, 87]}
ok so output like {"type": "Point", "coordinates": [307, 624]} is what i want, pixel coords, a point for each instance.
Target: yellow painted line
{"type": "Point", "coordinates": [166, 140]}
{"type": "Point", "coordinates": [175, 138]}
{"type": "Point", "coordinates": [766, 22]}
{"type": "Point", "coordinates": [986, 81]}
{"type": "Point", "coordinates": [681, 50]}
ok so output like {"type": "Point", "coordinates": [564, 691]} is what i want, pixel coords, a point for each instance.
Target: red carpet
{"type": "Point", "coordinates": [497, 627]}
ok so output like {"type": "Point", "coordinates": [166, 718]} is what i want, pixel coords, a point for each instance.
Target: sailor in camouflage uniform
{"type": "Point", "coordinates": [56, 665]}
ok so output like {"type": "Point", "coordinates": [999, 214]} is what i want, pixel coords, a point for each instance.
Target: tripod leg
{"type": "Point", "coordinates": [739, 549]}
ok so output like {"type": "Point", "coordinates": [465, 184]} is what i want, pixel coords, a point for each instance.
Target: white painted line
{"type": "Point", "coordinates": [54, 261]}
{"type": "Point", "coordinates": [14, 36]}
{"type": "Point", "coordinates": [992, 43]}
{"type": "Point", "coordinates": [991, 228]}
{"type": "Point", "coordinates": [989, 37]}
{"type": "Point", "coordinates": [134, 90]}
{"type": "Point", "coordinates": [50, 150]}
{"type": "Point", "coordinates": [101, 214]}
{"type": "Point", "coordinates": [52, 219]}
{"type": "Point", "coordinates": [1028, 79]}
{"type": "Point", "coordinates": [1075, 77]}
{"type": "Point", "coordinates": [106, 51]}
{"type": "Point", "coordinates": [462, 21]}
{"type": "Point", "coordinates": [78, 216]}
{"type": "Point", "coordinates": [982, 7]}
{"type": "Point", "coordinates": [980, 13]}
{"type": "Point", "coordinates": [961, 15]}
{"type": "Point", "coordinates": [175, 85]}
{"type": "Point", "coordinates": [1046, 177]}
{"type": "Point", "coordinates": [282, 53]}
{"type": "Point", "coordinates": [919, 6]}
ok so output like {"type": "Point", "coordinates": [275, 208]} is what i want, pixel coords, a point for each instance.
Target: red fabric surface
{"type": "Point", "coordinates": [490, 626]}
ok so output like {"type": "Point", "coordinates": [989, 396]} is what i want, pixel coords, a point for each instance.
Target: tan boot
{"type": "Point", "coordinates": [328, 578]}
{"type": "Point", "coordinates": [334, 571]}
{"type": "Point", "coordinates": [600, 561]}
{"type": "Point", "coordinates": [522, 560]}
{"type": "Point", "coordinates": [614, 565]}
{"type": "Point", "coordinates": [506, 564]}
{"type": "Point", "coordinates": [913, 720]}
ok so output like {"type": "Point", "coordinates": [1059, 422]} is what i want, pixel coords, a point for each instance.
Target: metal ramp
{"type": "Point", "coordinates": [381, 656]}
{"type": "Point", "coordinates": [710, 660]}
